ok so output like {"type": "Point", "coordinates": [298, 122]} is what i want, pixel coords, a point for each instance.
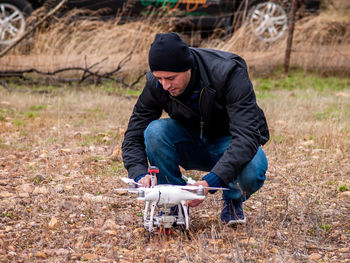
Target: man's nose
{"type": "Point", "coordinates": [166, 84]}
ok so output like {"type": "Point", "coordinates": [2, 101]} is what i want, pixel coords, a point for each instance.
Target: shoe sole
{"type": "Point", "coordinates": [235, 222]}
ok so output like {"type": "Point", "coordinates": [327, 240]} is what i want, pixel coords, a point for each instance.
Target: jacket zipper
{"type": "Point", "coordinates": [201, 123]}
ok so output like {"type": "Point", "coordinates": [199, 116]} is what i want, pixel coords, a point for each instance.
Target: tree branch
{"type": "Point", "coordinates": [87, 72]}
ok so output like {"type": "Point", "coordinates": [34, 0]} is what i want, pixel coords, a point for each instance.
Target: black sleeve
{"type": "Point", "coordinates": [146, 109]}
{"type": "Point", "coordinates": [244, 126]}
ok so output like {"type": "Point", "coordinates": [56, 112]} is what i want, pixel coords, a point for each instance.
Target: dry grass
{"type": "Point", "coordinates": [83, 43]}
{"type": "Point", "coordinates": [60, 161]}
{"type": "Point", "coordinates": [321, 43]}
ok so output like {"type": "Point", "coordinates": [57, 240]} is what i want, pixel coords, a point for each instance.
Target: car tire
{"type": "Point", "coordinates": [268, 20]}
{"type": "Point", "coordinates": [12, 19]}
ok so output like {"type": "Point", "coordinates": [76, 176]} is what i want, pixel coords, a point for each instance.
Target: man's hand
{"type": "Point", "coordinates": [146, 181]}
{"type": "Point", "coordinates": [193, 203]}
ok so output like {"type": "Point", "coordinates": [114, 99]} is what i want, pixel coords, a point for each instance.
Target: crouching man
{"type": "Point", "coordinates": [215, 124]}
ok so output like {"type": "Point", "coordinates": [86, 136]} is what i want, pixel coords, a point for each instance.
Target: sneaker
{"type": "Point", "coordinates": [232, 213]}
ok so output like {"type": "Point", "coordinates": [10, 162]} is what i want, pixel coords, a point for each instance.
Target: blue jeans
{"type": "Point", "coordinates": [170, 144]}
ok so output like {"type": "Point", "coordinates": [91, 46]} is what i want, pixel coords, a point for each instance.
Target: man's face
{"type": "Point", "coordinates": [174, 82]}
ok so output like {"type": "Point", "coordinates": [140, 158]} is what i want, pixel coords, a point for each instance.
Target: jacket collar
{"type": "Point", "coordinates": [200, 67]}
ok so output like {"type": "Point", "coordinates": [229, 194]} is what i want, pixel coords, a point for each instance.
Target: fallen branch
{"type": "Point", "coordinates": [87, 70]}
{"type": "Point", "coordinates": [4, 84]}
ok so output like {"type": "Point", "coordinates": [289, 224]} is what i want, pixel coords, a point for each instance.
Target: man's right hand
{"type": "Point", "coordinates": [146, 181]}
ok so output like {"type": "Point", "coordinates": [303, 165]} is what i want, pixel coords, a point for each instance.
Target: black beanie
{"type": "Point", "coordinates": [169, 53]}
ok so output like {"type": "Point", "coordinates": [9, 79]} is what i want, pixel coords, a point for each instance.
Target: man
{"type": "Point", "coordinates": [215, 124]}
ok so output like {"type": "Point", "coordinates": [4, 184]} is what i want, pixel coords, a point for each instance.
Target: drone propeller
{"type": "Point", "coordinates": [131, 190]}
{"type": "Point", "coordinates": [188, 179]}
{"type": "Point", "coordinates": [129, 180]}
{"type": "Point", "coordinates": [196, 187]}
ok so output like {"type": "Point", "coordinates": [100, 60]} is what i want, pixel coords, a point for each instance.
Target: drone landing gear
{"type": "Point", "coordinates": [167, 218]}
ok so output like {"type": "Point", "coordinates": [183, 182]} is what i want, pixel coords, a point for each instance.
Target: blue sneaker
{"type": "Point", "coordinates": [232, 213]}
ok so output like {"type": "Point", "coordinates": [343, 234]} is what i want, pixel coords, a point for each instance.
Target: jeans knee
{"type": "Point", "coordinates": [158, 132]}
{"type": "Point", "coordinates": [253, 176]}
{"type": "Point", "coordinates": [152, 130]}
{"type": "Point", "coordinates": [252, 183]}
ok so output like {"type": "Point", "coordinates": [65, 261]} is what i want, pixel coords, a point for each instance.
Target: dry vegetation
{"type": "Point", "coordinates": [60, 156]}
{"type": "Point", "coordinates": [321, 43]}
{"type": "Point", "coordinates": [60, 161]}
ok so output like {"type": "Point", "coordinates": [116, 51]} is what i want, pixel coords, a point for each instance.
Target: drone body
{"type": "Point", "coordinates": [170, 200]}
{"type": "Point", "coordinates": [169, 195]}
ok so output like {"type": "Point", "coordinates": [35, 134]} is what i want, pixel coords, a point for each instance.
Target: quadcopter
{"type": "Point", "coordinates": [168, 198]}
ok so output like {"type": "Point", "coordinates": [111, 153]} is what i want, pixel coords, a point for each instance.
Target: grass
{"type": "Point", "coordinates": [70, 154]}
{"type": "Point", "coordinates": [343, 188]}
{"type": "Point", "coordinates": [297, 80]}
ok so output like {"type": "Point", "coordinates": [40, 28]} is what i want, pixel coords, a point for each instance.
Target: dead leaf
{"type": "Point", "coordinates": [6, 194]}
{"type": "Point", "coordinates": [122, 192]}
{"type": "Point", "coordinates": [40, 190]}
{"type": "Point", "coordinates": [66, 150]}
{"type": "Point", "coordinates": [11, 157]}
{"type": "Point", "coordinates": [345, 194]}
{"type": "Point", "coordinates": [23, 195]}
{"type": "Point", "coordinates": [53, 222]}
{"type": "Point", "coordinates": [41, 255]}
{"type": "Point", "coordinates": [344, 250]}
{"type": "Point", "coordinates": [8, 228]}
{"type": "Point", "coordinates": [4, 182]}
{"type": "Point", "coordinates": [5, 103]}
{"type": "Point", "coordinates": [90, 256]}
{"type": "Point", "coordinates": [31, 164]}
{"type": "Point", "coordinates": [343, 94]}
{"type": "Point", "coordinates": [138, 230]}
{"type": "Point", "coordinates": [274, 250]}
{"type": "Point", "coordinates": [307, 143]}
{"type": "Point", "coordinates": [109, 224]}
{"type": "Point", "coordinates": [112, 232]}
{"type": "Point", "coordinates": [25, 188]}
{"type": "Point", "coordinates": [315, 256]}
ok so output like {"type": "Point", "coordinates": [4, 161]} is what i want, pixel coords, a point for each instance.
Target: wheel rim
{"type": "Point", "coordinates": [12, 23]}
{"type": "Point", "coordinates": [268, 21]}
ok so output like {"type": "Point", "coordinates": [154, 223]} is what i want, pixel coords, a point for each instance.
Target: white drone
{"type": "Point", "coordinates": [166, 197]}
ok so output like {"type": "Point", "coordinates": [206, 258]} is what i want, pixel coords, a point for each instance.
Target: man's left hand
{"type": "Point", "coordinates": [193, 203]}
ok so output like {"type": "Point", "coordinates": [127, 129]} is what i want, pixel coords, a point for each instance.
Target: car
{"type": "Point", "coordinates": [268, 19]}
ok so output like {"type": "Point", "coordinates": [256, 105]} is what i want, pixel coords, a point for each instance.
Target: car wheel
{"type": "Point", "coordinates": [268, 21]}
{"type": "Point", "coordinates": [12, 19]}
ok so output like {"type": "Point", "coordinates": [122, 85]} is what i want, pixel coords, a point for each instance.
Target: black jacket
{"type": "Point", "coordinates": [227, 107]}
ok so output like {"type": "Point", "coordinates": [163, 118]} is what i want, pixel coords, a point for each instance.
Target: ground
{"type": "Point", "coordinates": [60, 162]}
